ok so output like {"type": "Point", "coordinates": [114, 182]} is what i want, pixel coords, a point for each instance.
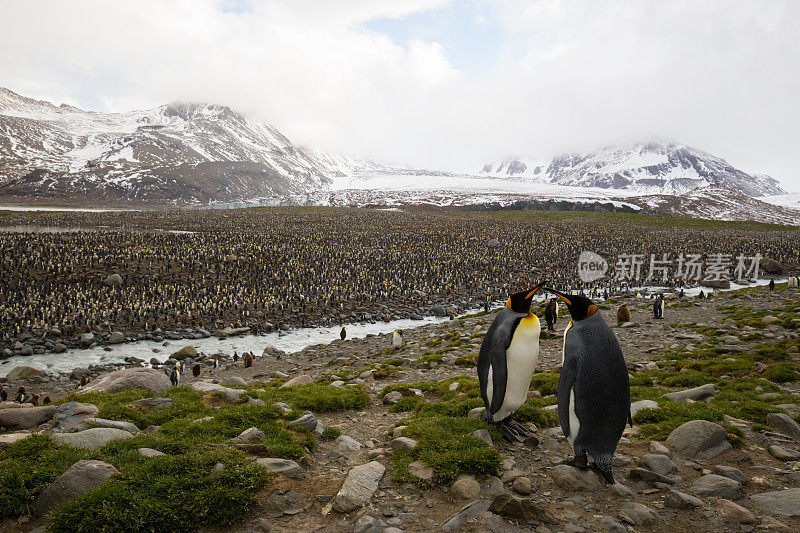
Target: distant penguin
{"type": "Point", "coordinates": [702, 295]}
{"type": "Point", "coordinates": [46, 400]}
{"type": "Point", "coordinates": [235, 356]}
{"type": "Point", "coordinates": [343, 334]}
{"type": "Point", "coordinates": [506, 362]}
{"type": "Point", "coordinates": [35, 400]}
{"type": "Point", "coordinates": [772, 284]}
{"type": "Point", "coordinates": [551, 314]}
{"type": "Point", "coordinates": [3, 395]}
{"type": "Point", "coordinates": [248, 360]}
{"type": "Point", "coordinates": [196, 370]}
{"type": "Point", "coordinates": [215, 363]}
{"type": "Point", "coordinates": [175, 376]}
{"type": "Point", "coordinates": [21, 396]}
{"type": "Point", "coordinates": [681, 294]}
{"type": "Point", "coordinates": [594, 397]}
{"type": "Point", "coordinates": [658, 307]}
{"type": "Point", "coordinates": [397, 338]}
{"type": "Point", "coordinates": [83, 381]}
{"type": "Point", "coordinates": [623, 314]}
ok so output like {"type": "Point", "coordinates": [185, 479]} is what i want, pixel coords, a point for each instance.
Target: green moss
{"type": "Point", "coordinates": [181, 493]}
{"type": "Point", "coordinates": [446, 445]}
{"type": "Point", "coordinates": [466, 360]}
{"type": "Point", "coordinates": [782, 372]}
{"type": "Point", "coordinates": [431, 358]}
{"type": "Point", "coordinates": [408, 403]}
{"type": "Point", "coordinates": [685, 378]}
{"type": "Point", "coordinates": [330, 433]}
{"type": "Point", "coordinates": [405, 387]}
{"type": "Point", "coordinates": [316, 397]}
{"type": "Point", "coordinates": [545, 382]}
{"type": "Point", "coordinates": [530, 412]}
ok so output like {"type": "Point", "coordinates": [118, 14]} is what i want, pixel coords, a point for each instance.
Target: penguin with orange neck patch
{"type": "Point", "coordinates": [594, 395]}
{"type": "Point", "coordinates": [506, 362]}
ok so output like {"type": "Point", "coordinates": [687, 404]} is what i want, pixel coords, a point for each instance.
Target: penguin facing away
{"type": "Point", "coordinates": [551, 314]}
{"type": "Point", "coordinates": [175, 376]}
{"type": "Point", "coordinates": [594, 399]}
{"type": "Point", "coordinates": [507, 359]}
{"type": "Point", "coordinates": [343, 334]}
{"type": "Point", "coordinates": [623, 314]}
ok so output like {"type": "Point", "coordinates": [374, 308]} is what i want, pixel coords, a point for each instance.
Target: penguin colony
{"type": "Point", "coordinates": [261, 268]}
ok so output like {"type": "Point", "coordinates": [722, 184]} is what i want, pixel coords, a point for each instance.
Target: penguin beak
{"type": "Point", "coordinates": [534, 291]}
{"type": "Point", "coordinates": [560, 295]}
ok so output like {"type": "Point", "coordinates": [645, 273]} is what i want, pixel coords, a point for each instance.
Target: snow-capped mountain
{"type": "Point", "coordinates": [654, 168]}
{"type": "Point", "coordinates": [178, 154]}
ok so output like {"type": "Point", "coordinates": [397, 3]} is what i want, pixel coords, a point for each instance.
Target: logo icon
{"type": "Point", "coordinates": [591, 267]}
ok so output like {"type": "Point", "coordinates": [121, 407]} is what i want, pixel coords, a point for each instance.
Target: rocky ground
{"type": "Point", "coordinates": [721, 454]}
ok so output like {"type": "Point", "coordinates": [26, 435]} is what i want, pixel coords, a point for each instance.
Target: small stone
{"type": "Point", "coordinates": [731, 472]}
{"type": "Point", "coordinates": [783, 423]}
{"type": "Point", "coordinates": [571, 478]}
{"type": "Point", "coordinates": [658, 448]}
{"type": "Point", "coordinates": [368, 524]}
{"type": "Point", "coordinates": [476, 413]}
{"type": "Point", "coordinates": [250, 435]}
{"type": "Point", "coordinates": [420, 470]}
{"type": "Point", "coordinates": [783, 454]}
{"type": "Point", "coordinates": [680, 500]}
{"type": "Point", "coordinates": [392, 397]}
{"type": "Point", "coordinates": [638, 514]}
{"type": "Point", "coordinates": [359, 486]}
{"type": "Point", "coordinates": [150, 452]}
{"type": "Point", "coordinates": [346, 443]}
{"type": "Point", "coordinates": [660, 464]}
{"type": "Point", "coordinates": [612, 526]}
{"type": "Point", "coordinates": [780, 502]}
{"type": "Point", "coordinates": [522, 485]}
{"type": "Point", "coordinates": [286, 467]}
{"type": "Point", "coordinates": [465, 488]}
{"type": "Point", "coordinates": [484, 435]}
{"type": "Point", "coordinates": [403, 443]}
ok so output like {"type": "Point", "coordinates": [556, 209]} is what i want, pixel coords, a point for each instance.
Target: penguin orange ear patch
{"type": "Point", "coordinates": [591, 310]}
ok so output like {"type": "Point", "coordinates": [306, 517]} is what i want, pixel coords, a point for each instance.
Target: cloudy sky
{"type": "Point", "coordinates": [436, 83]}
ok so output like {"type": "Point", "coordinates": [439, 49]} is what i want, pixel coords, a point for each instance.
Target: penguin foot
{"type": "Point", "coordinates": [512, 430]}
{"type": "Point", "coordinates": [606, 473]}
{"type": "Point", "coordinates": [579, 461]}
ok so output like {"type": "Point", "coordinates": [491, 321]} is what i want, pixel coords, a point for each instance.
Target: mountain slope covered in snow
{"type": "Point", "coordinates": [175, 154]}
{"type": "Point", "coordinates": [655, 168]}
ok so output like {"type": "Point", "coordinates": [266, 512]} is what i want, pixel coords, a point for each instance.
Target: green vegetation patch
{"type": "Point", "coordinates": [182, 490]}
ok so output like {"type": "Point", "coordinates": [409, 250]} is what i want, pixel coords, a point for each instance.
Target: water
{"type": "Point", "coordinates": [291, 341]}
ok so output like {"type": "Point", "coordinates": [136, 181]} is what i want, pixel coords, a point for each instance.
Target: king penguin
{"type": "Point", "coordinates": [175, 376]}
{"type": "Point", "coordinates": [506, 362]}
{"type": "Point", "coordinates": [594, 397]}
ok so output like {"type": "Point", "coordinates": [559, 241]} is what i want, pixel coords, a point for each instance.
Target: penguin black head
{"type": "Point", "coordinates": [520, 302]}
{"type": "Point", "coordinates": [580, 307]}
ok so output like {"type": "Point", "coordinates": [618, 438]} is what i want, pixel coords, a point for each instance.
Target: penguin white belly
{"type": "Point", "coordinates": [574, 423]}
{"type": "Point", "coordinates": [521, 358]}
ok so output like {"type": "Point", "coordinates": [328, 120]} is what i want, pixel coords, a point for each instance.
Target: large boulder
{"type": "Point", "coordinates": [770, 266]}
{"type": "Point", "coordinates": [358, 487]}
{"type": "Point", "coordinates": [91, 438]}
{"type": "Point", "coordinates": [717, 486]}
{"type": "Point", "coordinates": [70, 416]}
{"type": "Point", "coordinates": [302, 379]}
{"type": "Point", "coordinates": [78, 479]}
{"type": "Point", "coordinates": [783, 423]}
{"type": "Point", "coordinates": [230, 394]}
{"type": "Point", "coordinates": [25, 417]}
{"type": "Point", "coordinates": [699, 438]}
{"type": "Point", "coordinates": [130, 378]}
{"type": "Point", "coordinates": [183, 353]}
{"type": "Point", "coordinates": [24, 372]}
{"type": "Point", "coordinates": [780, 502]}
{"type": "Point", "coordinates": [116, 337]}
{"type": "Point", "coordinates": [716, 283]}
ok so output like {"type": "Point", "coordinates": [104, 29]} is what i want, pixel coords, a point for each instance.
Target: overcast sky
{"type": "Point", "coordinates": [436, 83]}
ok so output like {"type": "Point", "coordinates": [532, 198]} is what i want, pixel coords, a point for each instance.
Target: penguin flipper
{"type": "Point", "coordinates": [565, 384]}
